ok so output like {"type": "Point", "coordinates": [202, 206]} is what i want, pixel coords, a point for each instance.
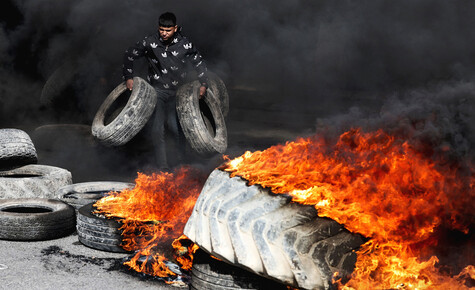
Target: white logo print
{"type": "Point", "coordinates": [130, 58]}
{"type": "Point", "coordinates": [129, 70]}
{"type": "Point", "coordinates": [195, 57]}
{"type": "Point", "coordinates": [164, 54]}
{"type": "Point", "coordinates": [183, 75]}
{"type": "Point", "coordinates": [201, 74]}
{"type": "Point", "coordinates": [144, 43]}
{"type": "Point", "coordinates": [154, 60]}
{"type": "Point", "coordinates": [175, 53]}
{"type": "Point", "coordinates": [175, 40]}
{"type": "Point", "coordinates": [199, 64]}
{"type": "Point", "coordinates": [166, 86]}
{"type": "Point", "coordinates": [164, 71]}
{"type": "Point", "coordinates": [155, 76]}
{"type": "Point", "coordinates": [187, 46]}
{"type": "Point", "coordinates": [135, 52]}
{"type": "Point", "coordinates": [153, 45]}
{"type": "Point", "coordinates": [175, 83]}
{"type": "Point", "coordinates": [174, 68]}
{"type": "Point", "coordinates": [148, 78]}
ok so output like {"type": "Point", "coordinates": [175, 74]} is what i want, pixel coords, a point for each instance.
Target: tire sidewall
{"type": "Point", "coordinates": [131, 119]}
{"type": "Point", "coordinates": [44, 181]}
{"type": "Point", "coordinates": [194, 127]}
{"type": "Point", "coordinates": [57, 223]}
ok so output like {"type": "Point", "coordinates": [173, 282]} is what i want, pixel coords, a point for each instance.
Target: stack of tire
{"type": "Point", "coordinates": [202, 120]}
{"type": "Point", "coordinates": [94, 230]}
{"type": "Point", "coordinates": [28, 208]}
{"type": "Point", "coordinates": [39, 202]}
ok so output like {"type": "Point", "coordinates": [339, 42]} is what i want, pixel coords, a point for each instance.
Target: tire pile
{"type": "Point", "coordinates": [28, 210]}
{"type": "Point", "coordinates": [39, 202]}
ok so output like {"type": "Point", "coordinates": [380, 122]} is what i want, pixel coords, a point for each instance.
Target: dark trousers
{"type": "Point", "coordinates": [165, 117]}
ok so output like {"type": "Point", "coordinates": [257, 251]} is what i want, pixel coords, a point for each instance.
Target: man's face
{"type": "Point", "coordinates": [167, 32]}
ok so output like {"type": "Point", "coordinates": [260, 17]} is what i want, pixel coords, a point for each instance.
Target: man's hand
{"type": "Point", "coordinates": [202, 92]}
{"type": "Point", "coordinates": [130, 84]}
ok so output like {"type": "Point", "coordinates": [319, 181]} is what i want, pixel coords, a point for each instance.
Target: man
{"type": "Point", "coordinates": [169, 54]}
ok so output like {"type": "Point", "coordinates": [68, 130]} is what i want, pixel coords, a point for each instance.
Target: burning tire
{"type": "Point", "coordinates": [269, 235]}
{"type": "Point", "coordinates": [16, 149]}
{"type": "Point", "coordinates": [98, 232]}
{"type": "Point", "coordinates": [132, 117]}
{"type": "Point", "coordinates": [201, 120]}
{"type": "Point", "coordinates": [33, 181]}
{"type": "Point", "coordinates": [218, 87]}
{"type": "Point", "coordinates": [80, 194]}
{"type": "Point", "coordinates": [209, 273]}
{"type": "Point", "coordinates": [26, 219]}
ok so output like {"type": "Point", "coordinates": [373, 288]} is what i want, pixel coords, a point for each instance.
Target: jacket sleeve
{"type": "Point", "coordinates": [198, 63]}
{"type": "Point", "coordinates": [131, 54]}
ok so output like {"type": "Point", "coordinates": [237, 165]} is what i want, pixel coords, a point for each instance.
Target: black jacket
{"type": "Point", "coordinates": [168, 62]}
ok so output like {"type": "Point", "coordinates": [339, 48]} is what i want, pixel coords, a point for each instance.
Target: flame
{"type": "Point", "coordinates": [185, 249]}
{"type": "Point", "coordinates": [379, 186]}
{"type": "Point", "coordinates": [153, 214]}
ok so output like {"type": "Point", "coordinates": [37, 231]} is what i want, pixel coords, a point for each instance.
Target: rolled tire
{"type": "Point", "coordinates": [47, 137]}
{"type": "Point", "coordinates": [81, 194]}
{"type": "Point", "coordinates": [58, 81]}
{"type": "Point", "coordinates": [16, 149]}
{"type": "Point", "coordinates": [210, 274]}
{"type": "Point", "coordinates": [190, 114]}
{"type": "Point", "coordinates": [34, 219]}
{"type": "Point", "coordinates": [33, 181]}
{"type": "Point", "coordinates": [218, 87]}
{"type": "Point", "coordinates": [131, 119]}
{"type": "Point", "coordinates": [98, 232]}
{"type": "Point", "coordinates": [250, 227]}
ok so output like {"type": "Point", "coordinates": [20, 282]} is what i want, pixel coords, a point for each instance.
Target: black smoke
{"type": "Point", "coordinates": [303, 60]}
{"type": "Point", "coordinates": [301, 49]}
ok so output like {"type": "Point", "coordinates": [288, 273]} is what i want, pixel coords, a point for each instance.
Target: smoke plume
{"type": "Point", "coordinates": [405, 60]}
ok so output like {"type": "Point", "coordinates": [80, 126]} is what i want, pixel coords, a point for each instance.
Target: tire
{"type": "Point", "coordinates": [57, 83]}
{"type": "Point", "coordinates": [34, 219]}
{"type": "Point", "coordinates": [190, 114]}
{"type": "Point", "coordinates": [80, 194]}
{"type": "Point", "coordinates": [211, 274]}
{"type": "Point", "coordinates": [132, 118]}
{"type": "Point", "coordinates": [47, 137]}
{"type": "Point", "coordinates": [98, 232]}
{"type": "Point", "coordinates": [218, 87]}
{"type": "Point", "coordinates": [33, 181]}
{"type": "Point", "coordinates": [268, 234]}
{"type": "Point", "coordinates": [16, 149]}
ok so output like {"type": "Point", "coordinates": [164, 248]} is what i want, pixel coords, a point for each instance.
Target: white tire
{"type": "Point", "coordinates": [269, 235]}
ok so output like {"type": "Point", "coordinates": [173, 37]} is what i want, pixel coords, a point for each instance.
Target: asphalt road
{"type": "Point", "coordinates": [67, 264]}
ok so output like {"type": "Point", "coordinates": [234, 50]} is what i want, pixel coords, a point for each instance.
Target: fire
{"type": "Point", "coordinates": [379, 186]}
{"type": "Point", "coordinates": [153, 214]}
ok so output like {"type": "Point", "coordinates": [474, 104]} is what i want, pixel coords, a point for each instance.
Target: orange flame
{"type": "Point", "coordinates": [153, 213]}
{"type": "Point", "coordinates": [375, 185]}
{"type": "Point", "coordinates": [185, 249]}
